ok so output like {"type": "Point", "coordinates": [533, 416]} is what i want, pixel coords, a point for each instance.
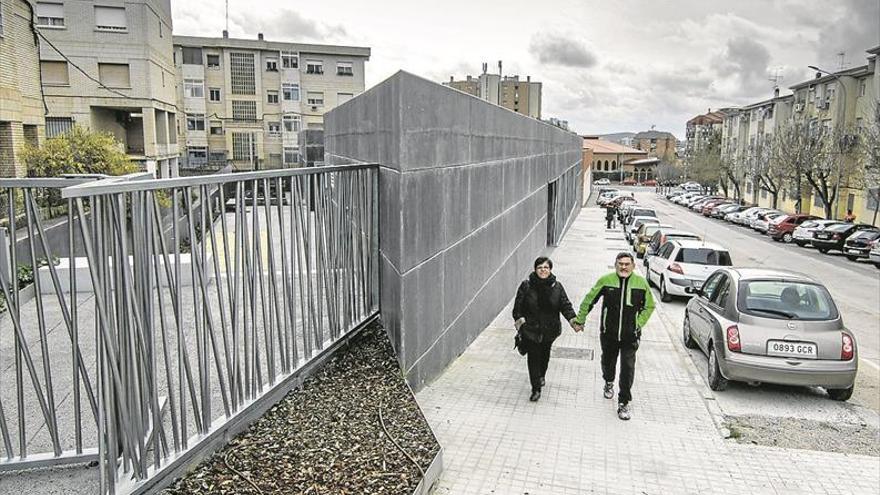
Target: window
{"type": "Point", "coordinates": [314, 67]}
{"type": "Point", "coordinates": [217, 158]}
{"type": "Point", "coordinates": [289, 60]}
{"type": "Point", "coordinates": [290, 91]}
{"type": "Point", "coordinates": [110, 18]}
{"type": "Point", "coordinates": [719, 295]}
{"type": "Point", "coordinates": [779, 299]}
{"type": "Point", "coordinates": [214, 94]}
{"type": "Point", "coordinates": [344, 69]}
{"type": "Point", "coordinates": [197, 156]}
{"type": "Point", "coordinates": [343, 97]}
{"type": "Point", "coordinates": [244, 110]}
{"type": "Point", "coordinates": [291, 155]}
{"type": "Point", "coordinates": [50, 14]}
{"type": "Point", "coordinates": [216, 128]}
{"type": "Point", "coordinates": [241, 66]}
{"type": "Point", "coordinates": [272, 64]}
{"type": "Point", "coordinates": [272, 97]}
{"type": "Point", "coordinates": [195, 122]}
{"type": "Point", "coordinates": [274, 129]}
{"type": "Point", "coordinates": [315, 98]}
{"type": "Point", "coordinates": [243, 144]}
{"type": "Point", "coordinates": [192, 56]}
{"type": "Point", "coordinates": [863, 86]}
{"type": "Point", "coordinates": [54, 73]}
{"type": "Point", "coordinates": [703, 256]}
{"type": "Point", "coordinates": [873, 194]}
{"type": "Point", "coordinates": [213, 60]}
{"type": "Point", "coordinates": [194, 88]}
{"type": "Point", "coordinates": [56, 126]}
{"type": "Point", "coordinates": [711, 284]}
{"type": "Point", "coordinates": [114, 75]}
{"type": "Point", "coordinates": [292, 123]}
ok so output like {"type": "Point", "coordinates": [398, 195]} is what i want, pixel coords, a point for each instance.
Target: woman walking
{"type": "Point", "coordinates": [539, 302]}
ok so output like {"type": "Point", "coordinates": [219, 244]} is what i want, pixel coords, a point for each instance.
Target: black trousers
{"type": "Point", "coordinates": [609, 223]}
{"type": "Point", "coordinates": [538, 357]}
{"type": "Point", "coordinates": [611, 349]}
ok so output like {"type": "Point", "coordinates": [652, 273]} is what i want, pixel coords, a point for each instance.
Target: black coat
{"type": "Point", "coordinates": [540, 302]}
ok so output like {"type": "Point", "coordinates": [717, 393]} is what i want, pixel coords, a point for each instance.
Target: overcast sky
{"type": "Point", "coordinates": [606, 66]}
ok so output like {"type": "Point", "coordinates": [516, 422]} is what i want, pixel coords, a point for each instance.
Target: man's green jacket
{"type": "Point", "coordinates": [627, 303]}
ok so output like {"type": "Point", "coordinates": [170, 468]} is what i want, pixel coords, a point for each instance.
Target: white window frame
{"type": "Point", "coordinates": [193, 120]}
{"type": "Point", "coordinates": [314, 67]}
{"type": "Point", "coordinates": [209, 65]}
{"type": "Point", "coordinates": [293, 152]}
{"type": "Point", "coordinates": [289, 60]}
{"type": "Point", "coordinates": [313, 101]}
{"type": "Point", "coordinates": [194, 88]}
{"type": "Point", "coordinates": [271, 64]}
{"type": "Point", "coordinates": [111, 21]}
{"type": "Point", "coordinates": [341, 69]}
{"type": "Point", "coordinates": [274, 128]}
{"type": "Point", "coordinates": [292, 123]}
{"type": "Point", "coordinates": [212, 126]}
{"type": "Point", "coordinates": [211, 95]}
{"type": "Point", "coordinates": [269, 97]}
{"type": "Point", "coordinates": [290, 88]}
{"type": "Point", "coordinates": [48, 17]}
{"type": "Point", "coordinates": [339, 97]}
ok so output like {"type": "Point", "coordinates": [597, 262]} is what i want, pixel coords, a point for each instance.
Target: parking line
{"type": "Point", "coordinates": [870, 363]}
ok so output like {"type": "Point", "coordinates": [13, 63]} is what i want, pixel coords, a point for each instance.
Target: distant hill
{"type": "Point", "coordinates": [617, 137]}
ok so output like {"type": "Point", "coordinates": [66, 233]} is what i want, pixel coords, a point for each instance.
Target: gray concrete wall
{"type": "Point", "coordinates": [463, 207]}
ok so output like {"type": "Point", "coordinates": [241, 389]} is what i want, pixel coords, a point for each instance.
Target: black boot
{"type": "Point", "coordinates": [536, 394]}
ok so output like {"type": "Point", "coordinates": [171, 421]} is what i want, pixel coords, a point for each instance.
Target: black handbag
{"type": "Point", "coordinates": [519, 343]}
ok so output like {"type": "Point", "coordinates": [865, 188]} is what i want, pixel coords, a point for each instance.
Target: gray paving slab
{"type": "Point", "coordinates": [571, 441]}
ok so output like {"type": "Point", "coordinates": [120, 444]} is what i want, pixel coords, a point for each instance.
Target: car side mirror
{"type": "Point", "coordinates": [693, 290]}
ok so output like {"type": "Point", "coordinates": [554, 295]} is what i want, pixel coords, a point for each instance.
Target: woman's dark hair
{"type": "Point", "coordinates": [541, 260]}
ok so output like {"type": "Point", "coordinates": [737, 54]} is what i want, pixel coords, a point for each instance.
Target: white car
{"type": "Point", "coordinates": [602, 182]}
{"type": "Point", "coordinates": [739, 217]}
{"type": "Point", "coordinates": [636, 222]}
{"type": "Point", "coordinates": [803, 233]}
{"type": "Point", "coordinates": [681, 264]}
{"type": "Point", "coordinates": [763, 222]}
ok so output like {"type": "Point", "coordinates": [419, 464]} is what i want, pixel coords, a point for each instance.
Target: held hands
{"type": "Point", "coordinates": [519, 323]}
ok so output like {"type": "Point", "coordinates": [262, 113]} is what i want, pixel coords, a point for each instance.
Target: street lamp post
{"type": "Point", "coordinates": [841, 111]}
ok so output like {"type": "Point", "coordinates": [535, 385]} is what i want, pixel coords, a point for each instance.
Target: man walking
{"type": "Point", "coordinates": [610, 213]}
{"type": "Point", "coordinates": [627, 304]}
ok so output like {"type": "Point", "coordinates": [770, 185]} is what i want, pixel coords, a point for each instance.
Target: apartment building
{"type": "Point", "coordinates": [108, 66]}
{"type": "Point", "coordinates": [658, 144]}
{"type": "Point", "coordinates": [245, 101]}
{"type": "Point", "coordinates": [21, 99]}
{"type": "Point", "coordinates": [700, 128]}
{"type": "Point", "coordinates": [521, 96]}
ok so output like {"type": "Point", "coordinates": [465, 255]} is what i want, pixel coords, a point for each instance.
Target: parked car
{"type": "Point", "coordinates": [643, 236]}
{"type": "Point", "coordinates": [664, 235]}
{"type": "Point", "coordinates": [629, 182]}
{"type": "Point", "coordinates": [687, 197]}
{"type": "Point", "coordinates": [762, 220]}
{"type": "Point", "coordinates": [634, 224]}
{"type": "Point", "coordinates": [698, 205]}
{"type": "Point", "coordinates": [745, 218]}
{"type": "Point", "coordinates": [602, 182]}
{"type": "Point", "coordinates": [650, 183]}
{"type": "Point", "coordinates": [769, 326]}
{"type": "Point", "coordinates": [675, 192]}
{"type": "Point", "coordinates": [874, 254]}
{"type": "Point", "coordinates": [721, 212]}
{"type": "Point", "coordinates": [783, 230]}
{"type": "Point", "coordinates": [834, 236]}
{"type": "Point", "coordinates": [691, 186]}
{"type": "Point", "coordinates": [636, 211]}
{"type": "Point", "coordinates": [859, 244]}
{"type": "Point", "coordinates": [803, 234]}
{"type": "Point", "coordinates": [684, 263]}
{"type": "Point", "coordinates": [709, 207]}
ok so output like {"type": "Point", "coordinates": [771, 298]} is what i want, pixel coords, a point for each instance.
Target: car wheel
{"type": "Point", "coordinates": [716, 381]}
{"type": "Point", "coordinates": [639, 254]}
{"type": "Point", "coordinates": [664, 296]}
{"type": "Point", "coordinates": [688, 339]}
{"type": "Point", "coordinates": [823, 250]}
{"type": "Point", "coordinates": [852, 258]}
{"type": "Point", "coordinates": [786, 238]}
{"type": "Point", "coordinates": [800, 243]}
{"type": "Point", "coordinates": [841, 394]}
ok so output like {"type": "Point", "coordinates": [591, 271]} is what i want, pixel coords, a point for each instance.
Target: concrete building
{"type": "Point", "coordinates": [700, 128]}
{"type": "Point", "coordinates": [507, 91]}
{"type": "Point", "coordinates": [21, 99]}
{"type": "Point", "coordinates": [245, 101]}
{"type": "Point", "coordinates": [616, 161]}
{"type": "Point", "coordinates": [109, 67]}
{"type": "Point", "coordinates": [658, 144]}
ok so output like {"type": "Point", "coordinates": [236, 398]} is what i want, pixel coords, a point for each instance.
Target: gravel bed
{"type": "Point", "coordinates": [792, 433]}
{"type": "Point", "coordinates": [328, 436]}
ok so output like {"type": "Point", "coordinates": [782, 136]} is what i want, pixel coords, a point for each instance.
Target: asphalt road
{"type": "Point", "coordinates": [855, 288]}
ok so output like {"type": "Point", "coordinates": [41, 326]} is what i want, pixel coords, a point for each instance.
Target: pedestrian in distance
{"type": "Point", "coordinates": [849, 218]}
{"type": "Point", "coordinates": [539, 301]}
{"type": "Point", "coordinates": [627, 305]}
{"type": "Point", "coordinates": [610, 213]}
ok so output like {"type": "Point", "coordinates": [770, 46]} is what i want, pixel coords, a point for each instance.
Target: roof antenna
{"type": "Point", "coordinates": [841, 64]}
{"type": "Point", "coordinates": [227, 16]}
{"type": "Point", "coordinates": [776, 78]}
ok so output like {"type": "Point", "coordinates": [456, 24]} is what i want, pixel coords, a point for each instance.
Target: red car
{"type": "Point", "coordinates": [629, 182]}
{"type": "Point", "coordinates": [784, 230]}
{"type": "Point", "coordinates": [650, 183]}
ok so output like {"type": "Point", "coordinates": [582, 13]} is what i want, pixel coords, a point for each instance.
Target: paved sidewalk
{"type": "Point", "coordinates": [570, 442]}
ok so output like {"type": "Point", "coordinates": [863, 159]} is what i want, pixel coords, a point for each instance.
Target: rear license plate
{"type": "Point", "coordinates": [784, 348]}
{"type": "Point", "coordinates": [854, 251]}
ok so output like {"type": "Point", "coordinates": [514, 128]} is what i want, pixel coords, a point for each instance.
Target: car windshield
{"type": "Point", "coordinates": [866, 234]}
{"type": "Point", "coordinates": [839, 227]}
{"type": "Point", "coordinates": [781, 299]}
{"type": "Point", "coordinates": [639, 212]}
{"type": "Point", "coordinates": [703, 256]}
{"type": "Point", "coordinates": [682, 236]}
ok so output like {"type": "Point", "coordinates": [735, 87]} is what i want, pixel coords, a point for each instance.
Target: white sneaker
{"type": "Point", "coordinates": [608, 391]}
{"type": "Point", "coordinates": [623, 412]}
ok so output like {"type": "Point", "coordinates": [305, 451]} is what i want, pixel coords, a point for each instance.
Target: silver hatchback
{"type": "Point", "coordinates": [760, 325]}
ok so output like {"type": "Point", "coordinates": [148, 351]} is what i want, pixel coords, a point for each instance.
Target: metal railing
{"type": "Point", "coordinates": [192, 299]}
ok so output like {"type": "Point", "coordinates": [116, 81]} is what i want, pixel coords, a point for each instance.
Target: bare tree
{"type": "Point", "coordinates": [705, 164]}
{"type": "Point", "coordinates": [667, 172]}
{"type": "Point", "coordinates": [800, 150]}
{"type": "Point", "coordinates": [764, 172]}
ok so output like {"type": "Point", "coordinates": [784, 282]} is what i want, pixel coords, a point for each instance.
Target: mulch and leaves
{"type": "Point", "coordinates": [353, 428]}
{"type": "Point", "coordinates": [799, 433]}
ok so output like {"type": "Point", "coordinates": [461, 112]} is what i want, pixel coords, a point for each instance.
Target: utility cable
{"type": "Point", "coordinates": [394, 441]}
